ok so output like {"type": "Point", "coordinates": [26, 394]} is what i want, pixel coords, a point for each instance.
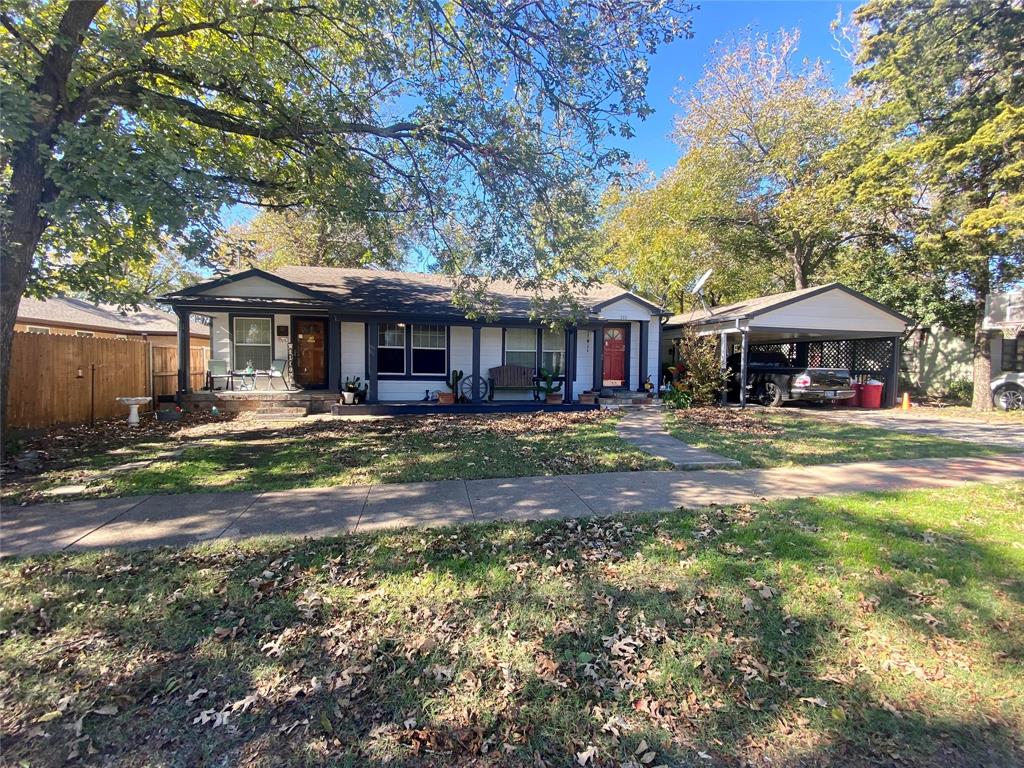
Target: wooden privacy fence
{"type": "Point", "coordinates": [58, 379]}
{"type": "Point", "coordinates": [165, 369]}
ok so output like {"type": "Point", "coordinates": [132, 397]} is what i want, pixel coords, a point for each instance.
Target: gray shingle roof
{"type": "Point", "coordinates": [372, 291]}
{"type": "Point", "coordinates": [751, 307]}
{"type": "Point", "coordinates": [77, 313]}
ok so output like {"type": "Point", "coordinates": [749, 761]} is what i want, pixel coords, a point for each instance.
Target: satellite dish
{"type": "Point", "coordinates": [699, 282]}
{"type": "Point", "coordinates": [698, 288]}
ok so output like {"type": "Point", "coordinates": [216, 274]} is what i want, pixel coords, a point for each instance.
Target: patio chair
{"type": "Point", "coordinates": [277, 368]}
{"type": "Point", "coordinates": [217, 369]}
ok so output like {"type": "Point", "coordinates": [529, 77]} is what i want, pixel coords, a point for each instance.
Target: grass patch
{"type": "Point", "coordinates": [857, 631]}
{"type": "Point", "coordinates": [761, 439]}
{"type": "Point", "coordinates": [239, 456]}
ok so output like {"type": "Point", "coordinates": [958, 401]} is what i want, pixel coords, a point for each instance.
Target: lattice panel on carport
{"type": "Point", "coordinates": [862, 357]}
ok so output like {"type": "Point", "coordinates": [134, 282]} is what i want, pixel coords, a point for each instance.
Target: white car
{"type": "Point", "coordinates": [1008, 391]}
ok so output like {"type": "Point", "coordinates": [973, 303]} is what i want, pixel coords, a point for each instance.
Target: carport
{"type": "Point", "coordinates": [827, 326]}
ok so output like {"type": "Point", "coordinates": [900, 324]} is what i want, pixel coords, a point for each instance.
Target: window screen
{"type": "Point", "coordinates": [521, 347]}
{"type": "Point", "coordinates": [391, 348]}
{"type": "Point", "coordinates": [253, 342]}
{"type": "Point", "coordinates": [553, 357]}
{"type": "Point", "coordinates": [429, 349]}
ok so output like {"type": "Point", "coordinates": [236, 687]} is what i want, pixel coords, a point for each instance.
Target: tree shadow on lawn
{"type": "Point", "coordinates": [443, 646]}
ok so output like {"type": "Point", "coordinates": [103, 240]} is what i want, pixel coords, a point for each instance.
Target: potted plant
{"type": "Point", "coordinates": [352, 392]}
{"type": "Point", "coordinates": [448, 398]}
{"type": "Point", "coordinates": [649, 387]}
{"type": "Point", "coordinates": [588, 397]}
{"type": "Point", "coordinates": [552, 389]}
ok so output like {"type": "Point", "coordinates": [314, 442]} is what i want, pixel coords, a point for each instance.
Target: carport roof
{"type": "Point", "coordinates": [744, 311]}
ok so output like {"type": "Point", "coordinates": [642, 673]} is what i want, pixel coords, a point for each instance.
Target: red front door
{"type": "Point", "coordinates": [614, 356]}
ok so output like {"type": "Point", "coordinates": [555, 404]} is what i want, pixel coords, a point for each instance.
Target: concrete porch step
{"type": "Point", "coordinates": [282, 412]}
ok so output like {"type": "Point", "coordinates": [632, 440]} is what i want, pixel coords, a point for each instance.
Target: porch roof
{"type": "Point", "coordinates": [387, 294]}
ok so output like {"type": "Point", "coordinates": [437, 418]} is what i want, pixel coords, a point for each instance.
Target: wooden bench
{"type": "Point", "coordinates": [519, 377]}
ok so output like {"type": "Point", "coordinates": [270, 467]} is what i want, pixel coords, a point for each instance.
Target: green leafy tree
{"type": "Point", "coordinates": [943, 86]}
{"type": "Point", "coordinates": [755, 194]}
{"type": "Point", "coordinates": [127, 124]}
{"type": "Point", "coordinates": [304, 237]}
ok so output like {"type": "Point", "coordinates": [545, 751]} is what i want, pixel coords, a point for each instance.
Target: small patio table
{"type": "Point", "coordinates": [248, 379]}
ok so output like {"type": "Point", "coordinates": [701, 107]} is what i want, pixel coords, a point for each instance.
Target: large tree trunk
{"type": "Point", "coordinates": [22, 221]}
{"type": "Point", "coordinates": [982, 400]}
{"type": "Point", "coordinates": [21, 229]}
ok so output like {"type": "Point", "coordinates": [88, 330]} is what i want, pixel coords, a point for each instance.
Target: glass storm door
{"type": "Point", "coordinates": [614, 356]}
{"type": "Point", "coordinates": [310, 352]}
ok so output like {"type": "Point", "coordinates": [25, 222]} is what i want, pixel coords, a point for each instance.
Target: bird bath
{"type": "Point", "coordinates": [133, 404]}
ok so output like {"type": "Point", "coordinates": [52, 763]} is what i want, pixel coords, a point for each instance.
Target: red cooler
{"type": "Point", "coordinates": [854, 402]}
{"type": "Point", "coordinates": [871, 395]}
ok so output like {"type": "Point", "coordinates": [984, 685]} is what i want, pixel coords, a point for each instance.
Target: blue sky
{"type": "Point", "coordinates": [715, 21]}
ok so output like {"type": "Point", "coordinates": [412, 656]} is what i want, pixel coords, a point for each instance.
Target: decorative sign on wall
{"type": "Point", "coordinates": [282, 330]}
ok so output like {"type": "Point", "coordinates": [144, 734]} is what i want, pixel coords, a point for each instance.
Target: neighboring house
{"type": "Point", "coordinates": [401, 333]}
{"type": "Point", "coordinates": [1004, 320]}
{"type": "Point", "coordinates": [76, 317]}
{"type": "Point", "coordinates": [937, 360]}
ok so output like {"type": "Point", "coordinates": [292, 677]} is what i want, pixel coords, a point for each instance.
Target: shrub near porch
{"type": "Point", "coordinates": [244, 455]}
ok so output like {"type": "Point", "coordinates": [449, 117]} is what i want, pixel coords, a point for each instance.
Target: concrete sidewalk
{"type": "Point", "coordinates": [145, 521]}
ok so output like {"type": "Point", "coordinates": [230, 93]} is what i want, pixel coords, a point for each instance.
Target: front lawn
{"type": "Point", "coordinates": [242, 455]}
{"type": "Point", "coordinates": [758, 438]}
{"type": "Point", "coordinates": [859, 631]}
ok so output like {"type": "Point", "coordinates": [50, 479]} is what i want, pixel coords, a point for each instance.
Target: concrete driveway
{"type": "Point", "coordinates": [1006, 434]}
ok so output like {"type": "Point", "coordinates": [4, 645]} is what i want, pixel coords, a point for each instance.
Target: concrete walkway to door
{"type": "Point", "coordinates": [146, 521]}
{"type": "Point", "coordinates": [645, 428]}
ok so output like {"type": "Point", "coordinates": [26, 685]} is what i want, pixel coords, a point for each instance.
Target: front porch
{"type": "Point", "coordinates": [398, 338]}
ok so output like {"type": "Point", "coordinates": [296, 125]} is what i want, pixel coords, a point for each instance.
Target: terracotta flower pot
{"type": "Point", "coordinates": [555, 398]}
{"type": "Point", "coordinates": [446, 398]}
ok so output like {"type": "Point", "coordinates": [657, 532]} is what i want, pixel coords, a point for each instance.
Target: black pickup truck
{"type": "Point", "coordinates": [772, 380]}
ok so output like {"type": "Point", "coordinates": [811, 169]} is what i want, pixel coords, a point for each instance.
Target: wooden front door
{"type": "Point", "coordinates": [614, 356]}
{"type": "Point", "coordinates": [309, 344]}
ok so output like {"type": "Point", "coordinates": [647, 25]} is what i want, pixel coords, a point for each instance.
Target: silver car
{"type": "Point", "coordinates": [1008, 391]}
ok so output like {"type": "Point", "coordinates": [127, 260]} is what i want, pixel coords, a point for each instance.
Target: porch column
{"type": "Point", "coordinates": [599, 358]}
{"type": "Point", "coordinates": [744, 348]}
{"type": "Point", "coordinates": [645, 329]}
{"type": "Point", "coordinates": [334, 352]}
{"type": "Point", "coordinates": [723, 356]}
{"type": "Point", "coordinates": [476, 364]}
{"type": "Point", "coordinates": [372, 337]}
{"type": "Point", "coordinates": [184, 350]}
{"type": "Point", "coordinates": [892, 381]}
{"type": "Point", "coordinates": [570, 363]}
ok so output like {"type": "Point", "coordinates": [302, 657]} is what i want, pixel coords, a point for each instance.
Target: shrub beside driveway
{"type": "Point", "coordinates": [852, 631]}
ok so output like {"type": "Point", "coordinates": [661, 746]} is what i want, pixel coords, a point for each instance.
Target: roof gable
{"type": "Point", "coordinates": [824, 302]}
{"type": "Point", "coordinates": [250, 283]}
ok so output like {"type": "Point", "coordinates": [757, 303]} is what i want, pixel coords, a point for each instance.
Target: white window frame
{"type": "Point", "coordinates": [85, 334]}
{"type": "Point", "coordinates": [517, 350]}
{"type": "Point", "coordinates": [381, 332]}
{"type": "Point", "coordinates": [544, 349]}
{"type": "Point", "coordinates": [443, 347]}
{"type": "Point", "coordinates": [237, 364]}
{"type": "Point", "coordinates": [40, 329]}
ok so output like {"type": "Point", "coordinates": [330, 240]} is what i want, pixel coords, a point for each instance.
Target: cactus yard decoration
{"type": "Point", "coordinates": [448, 398]}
